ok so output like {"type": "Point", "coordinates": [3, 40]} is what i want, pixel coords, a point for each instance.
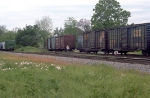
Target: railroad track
{"type": "Point", "coordinates": [133, 59]}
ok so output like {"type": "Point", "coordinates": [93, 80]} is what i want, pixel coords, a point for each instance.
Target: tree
{"type": "Point", "coordinates": [28, 36]}
{"type": "Point", "coordinates": [45, 25]}
{"type": "Point", "coordinates": [58, 32]}
{"type": "Point", "coordinates": [71, 27]}
{"type": "Point", "coordinates": [108, 14]}
{"type": "Point", "coordinates": [15, 30]}
{"type": "Point", "coordinates": [84, 25]}
{"type": "Point", "coordinates": [3, 29]}
{"type": "Point", "coordinates": [9, 35]}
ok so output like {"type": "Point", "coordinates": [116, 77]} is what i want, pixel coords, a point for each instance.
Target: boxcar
{"type": "Point", "coordinates": [130, 38]}
{"type": "Point", "coordinates": [114, 40]}
{"type": "Point", "coordinates": [69, 40]}
{"type": "Point", "coordinates": [139, 38]}
{"type": "Point", "coordinates": [101, 41]}
{"type": "Point", "coordinates": [59, 43]}
{"type": "Point", "coordinates": [51, 44]}
{"type": "Point", "coordinates": [80, 43]}
{"type": "Point", "coordinates": [8, 45]}
{"type": "Point", "coordinates": [89, 42]}
{"type": "Point", "coordinates": [95, 41]}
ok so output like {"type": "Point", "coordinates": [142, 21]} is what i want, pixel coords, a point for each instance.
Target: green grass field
{"type": "Point", "coordinates": [30, 77]}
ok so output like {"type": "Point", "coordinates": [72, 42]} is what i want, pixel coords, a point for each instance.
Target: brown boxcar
{"type": "Point", "coordinates": [62, 41]}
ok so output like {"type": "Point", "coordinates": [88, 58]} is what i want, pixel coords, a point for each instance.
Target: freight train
{"type": "Point", "coordinates": [123, 39]}
{"type": "Point", "coordinates": [8, 45]}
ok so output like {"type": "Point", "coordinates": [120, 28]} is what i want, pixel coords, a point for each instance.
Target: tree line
{"type": "Point", "coordinates": [107, 14]}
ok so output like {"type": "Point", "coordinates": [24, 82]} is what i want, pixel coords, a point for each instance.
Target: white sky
{"type": "Point", "coordinates": [18, 13]}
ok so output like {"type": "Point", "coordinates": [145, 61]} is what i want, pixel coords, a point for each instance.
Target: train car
{"type": "Point", "coordinates": [114, 40]}
{"type": "Point", "coordinates": [8, 45]}
{"type": "Point", "coordinates": [139, 38]}
{"type": "Point", "coordinates": [130, 38]}
{"type": "Point", "coordinates": [59, 43]}
{"type": "Point", "coordinates": [89, 44]}
{"type": "Point", "coordinates": [80, 43]}
{"type": "Point", "coordinates": [101, 41]}
{"type": "Point", "coordinates": [51, 44]}
{"type": "Point", "coordinates": [69, 40]}
{"type": "Point", "coordinates": [95, 41]}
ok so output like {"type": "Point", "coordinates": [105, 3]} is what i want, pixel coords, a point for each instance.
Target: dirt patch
{"type": "Point", "coordinates": [34, 58]}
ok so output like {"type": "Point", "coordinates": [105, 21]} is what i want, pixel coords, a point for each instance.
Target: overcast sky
{"type": "Point", "coordinates": [18, 13]}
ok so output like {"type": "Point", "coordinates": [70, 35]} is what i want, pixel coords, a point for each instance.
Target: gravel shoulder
{"type": "Point", "coordinates": [70, 60]}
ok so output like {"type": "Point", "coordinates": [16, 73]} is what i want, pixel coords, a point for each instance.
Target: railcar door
{"type": "Point", "coordinates": [124, 39]}
{"type": "Point", "coordinates": [92, 40]}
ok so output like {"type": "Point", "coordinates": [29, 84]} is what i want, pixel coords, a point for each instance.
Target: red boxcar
{"type": "Point", "coordinates": [61, 42]}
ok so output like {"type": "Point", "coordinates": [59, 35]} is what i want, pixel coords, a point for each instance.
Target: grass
{"type": "Point", "coordinates": [29, 49]}
{"type": "Point", "coordinates": [37, 77]}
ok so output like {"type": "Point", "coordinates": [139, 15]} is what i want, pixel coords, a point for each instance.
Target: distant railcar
{"type": "Point", "coordinates": [89, 44]}
{"type": "Point", "coordinates": [59, 43]}
{"type": "Point", "coordinates": [80, 43]}
{"type": "Point", "coordinates": [51, 44]}
{"type": "Point", "coordinates": [8, 45]}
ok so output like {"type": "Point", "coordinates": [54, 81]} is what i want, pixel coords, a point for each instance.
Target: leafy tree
{"type": "Point", "coordinates": [71, 27]}
{"type": "Point", "coordinates": [45, 25]}
{"type": "Point", "coordinates": [9, 35]}
{"type": "Point", "coordinates": [28, 36]}
{"type": "Point", "coordinates": [58, 31]}
{"type": "Point", "coordinates": [108, 14]}
{"type": "Point", "coordinates": [84, 24]}
{"type": "Point", "coordinates": [3, 29]}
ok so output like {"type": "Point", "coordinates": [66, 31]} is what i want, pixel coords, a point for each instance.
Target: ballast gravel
{"type": "Point", "coordinates": [141, 67]}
